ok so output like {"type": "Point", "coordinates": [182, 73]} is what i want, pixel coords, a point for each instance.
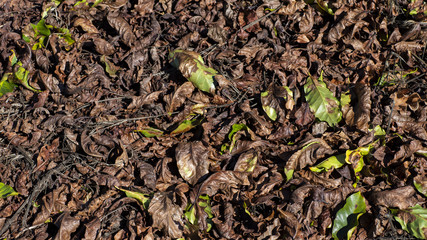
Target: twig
{"type": "Point", "coordinates": [261, 18]}
{"type": "Point", "coordinates": [121, 121]}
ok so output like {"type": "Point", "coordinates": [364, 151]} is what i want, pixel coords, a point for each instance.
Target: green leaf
{"type": "Point", "coordinates": [289, 174]}
{"type": "Point", "coordinates": [143, 199]}
{"type": "Point", "coordinates": [5, 85]}
{"type": "Point", "coordinates": [205, 203]}
{"type": "Point", "coordinates": [64, 33]}
{"type": "Point", "coordinates": [42, 28]}
{"type": "Point", "coordinates": [150, 132]}
{"type": "Point", "coordinates": [324, 6]}
{"type": "Point", "coordinates": [7, 191]}
{"type": "Point", "coordinates": [21, 77]}
{"type": "Point", "coordinates": [190, 214]}
{"type": "Point", "coordinates": [379, 131]}
{"type": "Point", "coordinates": [322, 102]}
{"type": "Point", "coordinates": [412, 220]}
{"type": "Point", "coordinates": [330, 163]}
{"type": "Point", "coordinates": [347, 217]}
{"type": "Point", "coordinates": [186, 126]}
{"type": "Point", "coordinates": [270, 111]}
{"type": "Point", "coordinates": [193, 68]}
{"type": "Point", "coordinates": [345, 99]}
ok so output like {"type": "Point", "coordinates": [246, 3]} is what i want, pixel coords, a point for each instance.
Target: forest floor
{"type": "Point", "coordinates": [213, 119]}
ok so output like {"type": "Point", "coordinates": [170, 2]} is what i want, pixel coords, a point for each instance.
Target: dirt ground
{"type": "Point", "coordinates": [210, 119]}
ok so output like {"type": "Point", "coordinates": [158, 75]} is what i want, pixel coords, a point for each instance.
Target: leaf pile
{"type": "Point", "coordinates": [213, 119]}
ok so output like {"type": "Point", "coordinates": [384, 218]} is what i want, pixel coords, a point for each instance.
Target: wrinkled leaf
{"type": "Point", "coordinates": [192, 161]}
{"type": "Point", "coordinates": [180, 95]}
{"type": "Point", "coordinates": [347, 217]}
{"type": "Point", "coordinates": [412, 220]}
{"type": "Point", "coordinates": [322, 102]}
{"type": "Point", "coordinates": [310, 152]}
{"type": "Point", "coordinates": [246, 162]}
{"type": "Point", "coordinates": [224, 180]}
{"type": "Point", "coordinates": [193, 68]}
{"type": "Point", "coordinates": [7, 191]}
{"type": "Point", "coordinates": [401, 198]}
{"type": "Point", "coordinates": [166, 214]}
{"type": "Point", "coordinates": [143, 199]}
{"type": "Point", "coordinates": [420, 183]}
{"type": "Point", "coordinates": [269, 110]}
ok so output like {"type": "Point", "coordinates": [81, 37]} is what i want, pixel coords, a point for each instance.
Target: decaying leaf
{"type": "Point", "coordinates": [166, 214]}
{"type": "Point", "coordinates": [227, 181]}
{"type": "Point", "coordinates": [180, 95]}
{"type": "Point", "coordinates": [193, 68]}
{"type": "Point", "coordinates": [150, 132]}
{"type": "Point", "coordinates": [123, 27]}
{"type": "Point", "coordinates": [192, 161]}
{"type": "Point", "coordinates": [420, 183]}
{"type": "Point", "coordinates": [401, 198]}
{"type": "Point", "coordinates": [309, 153]}
{"type": "Point", "coordinates": [322, 102]}
{"type": "Point", "coordinates": [362, 116]}
{"type": "Point", "coordinates": [413, 220]}
{"type": "Point", "coordinates": [246, 162]}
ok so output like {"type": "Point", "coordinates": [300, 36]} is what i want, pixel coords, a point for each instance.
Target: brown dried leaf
{"type": "Point", "coordinates": [192, 161]}
{"type": "Point", "coordinates": [180, 95]}
{"type": "Point", "coordinates": [144, 6]}
{"type": "Point", "coordinates": [103, 47]}
{"type": "Point", "coordinates": [310, 152]}
{"type": "Point", "coordinates": [226, 181]}
{"type": "Point", "coordinates": [303, 115]}
{"type": "Point", "coordinates": [86, 25]}
{"type": "Point", "coordinates": [67, 225]}
{"type": "Point", "coordinates": [92, 229]}
{"type": "Point", "coordinates": [166, 215]}
{"type": "Point", "coordinates": [292, 7]}
{"type": "Point", "coordinates": [123, 27]}
{"type": "Point", "coordinates": [362, 113]}
{"type": "Point", "coordinates": [140, 101]}
{"type": "Point", "coordinates": [401, 198]}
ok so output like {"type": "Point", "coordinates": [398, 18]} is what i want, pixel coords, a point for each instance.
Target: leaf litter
{"type": "Point", "coordinates": [213, 119]}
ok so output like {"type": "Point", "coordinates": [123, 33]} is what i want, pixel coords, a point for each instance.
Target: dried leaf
{"type": "Point", "coordinates": [192, 161]}
{"type": "Point", "coordinates": [123, 27]}
{"type": "Point", "coordinates": [180, 95]}
{"type": "Point", "coordinates": [309, 153]}
{"type": "Point", "coordinates": [166, 215]}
